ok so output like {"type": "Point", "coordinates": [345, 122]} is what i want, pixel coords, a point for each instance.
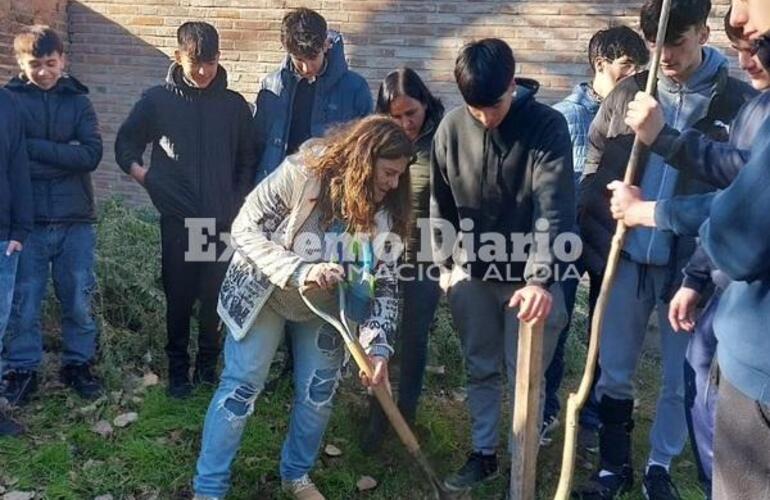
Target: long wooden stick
{"type": "Point", "coordinates": [576, 400]}
{"type": "Point", "coordinates": [526, 411]}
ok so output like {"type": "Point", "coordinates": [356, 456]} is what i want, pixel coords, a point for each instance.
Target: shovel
{"type": "Point", "coordinates": [339, 321]}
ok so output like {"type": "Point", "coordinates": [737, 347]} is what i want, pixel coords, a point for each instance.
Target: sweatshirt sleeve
{"type": "Point", "coordinates": [261, 214]}
{"type": "Point", "coordinates": [134, 134]}
{"type": "Point", "coordinates": [683, 215]}
{"type": "Point", "coordinates": [554, 198]}
{"type": "Point", "coordinates": [697, 272]}
{"type": "Point", "coordinates": [714, 162]}
{"type": "Point", "coordinates": [83, 154]}
{"type": "Point", "coordinates": [736, 234]}
{"type": "Point", "coordinates": [597, 135]}
{"type": "Point", "coordinates": [443, 211]}
{"type": "Point", "coordinates": [22, 204]}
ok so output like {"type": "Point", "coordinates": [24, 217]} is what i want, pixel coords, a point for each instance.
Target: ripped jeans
{"type": "Point", "coordinates": [318, 355]}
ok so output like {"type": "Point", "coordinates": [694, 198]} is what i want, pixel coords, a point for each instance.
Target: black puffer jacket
{"type": "Point", "coordinates": [15, 187]}
{"type": "Point", "coordinates": [64, 146]}
{"type": "Point", "coordinates": [203, 149]}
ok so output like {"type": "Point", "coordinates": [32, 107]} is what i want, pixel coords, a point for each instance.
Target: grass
{"type": "Point", "coordinates": [62, 458]}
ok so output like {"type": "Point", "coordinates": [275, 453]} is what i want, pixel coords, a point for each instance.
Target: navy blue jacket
{"type": "Point", "coordinates": [734, 230]}
{"type": "Point", "coordinates": [714, 162]}
{"type": "Point", "coordinates": [64, 146]}
{"type": "Point", "coordinates": [340, 95]}
{"type": "Point", "coordinates": [16, 204]}
{"type": "Point", "coordinates": [203, 151]}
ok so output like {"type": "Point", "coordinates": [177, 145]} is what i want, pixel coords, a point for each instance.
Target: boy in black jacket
{"type": "Point", "coordinates": [64, 146]}
{"type": "Point", "coordinates": [203, 158]}
{"type": "Point", "coordinates": [16, 212]}
{"type": "Point", "coordinates": [501, 170]}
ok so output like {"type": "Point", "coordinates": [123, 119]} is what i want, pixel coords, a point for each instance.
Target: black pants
{"type": "Point", "coordinates": [185, 282]}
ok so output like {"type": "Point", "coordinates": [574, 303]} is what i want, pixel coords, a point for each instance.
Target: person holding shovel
{"type": "Point", "coordinates": [353, 182]}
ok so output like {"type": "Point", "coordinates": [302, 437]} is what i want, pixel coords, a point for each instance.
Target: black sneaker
{"type": "Point", "coordinates": [657, 484]}
{"type": "Point", "coordinates": [78, 376]}
{"type": "Point", "coordinates": [8, 427]}
{"type": "Point", "coordinates": [179, 386]}
{"type": "Point", "coordinates": [588, 440]}
{"type": "Point", "coordinates": [549, 425]}
{"type": "Point", "coordinates": [477, 469]}
{"type": "Point", "coordinates": [18, 386]}
{"type": "Point", "coordinates": [607, 486]}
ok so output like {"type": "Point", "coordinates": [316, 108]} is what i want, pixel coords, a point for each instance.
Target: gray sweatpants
{"type": "Point", "coordinates": [636, 292]}
{"type": "Point", "coordinates": [488, 331]}
{"type": "Point", "coordinates": [741, 446]}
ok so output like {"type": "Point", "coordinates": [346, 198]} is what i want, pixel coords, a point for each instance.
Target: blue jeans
{"type": "Point", "coordinates": [7, 277]}
{"type": "Point", "coordinates": [318, 354]}
{"type": "Point", "coordinates": [700, 392]}
{"type": "Point", "coordinates": [420, 296]}
{"type": "Point", "coordinates": [68, 251]}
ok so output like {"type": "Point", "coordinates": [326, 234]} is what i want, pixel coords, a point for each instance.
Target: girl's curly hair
{"type": "Point", "coordinates": [345, 166]}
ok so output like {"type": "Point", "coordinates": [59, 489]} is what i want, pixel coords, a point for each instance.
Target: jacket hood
{"type": "Point", "coordinates": [336, 65]}
{"type": "Point", "coordinates": [584, 96]}
{"type": "Point", "coordinates": [175, 79]}
{"type": "Point", "coordinates": [702, 81]}
{"type": "Point", "coordinates": [67, 84]}
{"type": "Point", "coordinates": [526, 89]}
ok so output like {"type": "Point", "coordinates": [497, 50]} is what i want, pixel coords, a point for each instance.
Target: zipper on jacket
{"type": "Point", "coordinates": [286, 128]}
{"type": "Point", "coordinates": [198, 162]}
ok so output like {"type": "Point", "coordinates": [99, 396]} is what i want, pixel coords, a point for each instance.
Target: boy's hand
{"type": "Point", "coordinates": [681, 310]}
{"type": "Point", "coordinates": [627, 205]}
{"type": "Point", "coordinates": [534, 302]}
{"type": "Point", "coordinates": [13, 246]}
{"type": "Point", "coordinates": [645, 117]}
{"type": "Point", "coordinates": [138, 172]}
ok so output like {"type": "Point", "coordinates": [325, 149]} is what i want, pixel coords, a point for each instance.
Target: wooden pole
{"type": "Point", "coordinates": [526, 410]}
{"type": "Point", "coordinates": [576, 400]}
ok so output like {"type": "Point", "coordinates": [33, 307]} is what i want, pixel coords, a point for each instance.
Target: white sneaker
{"type": "Point", "coordinates": [302, 489]}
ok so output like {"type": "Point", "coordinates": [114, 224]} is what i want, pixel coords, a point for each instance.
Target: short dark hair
{"type": "Point", "coordinates": [484, 70]}
{"type": "Point", "coordinates": [616, 42]}
{"type": "Point", "coordinates": [734, 34]}
{"type": "Point", "coordinates": [406, 82]}
{"type": "Point", "coordinates": [38, 41]}
{"type": "Point", "coordinates": [198, 40]}
{"type": "Point", "coordinates": [684, 15]}
{"type": "Point", "coordinates": [303, 32]}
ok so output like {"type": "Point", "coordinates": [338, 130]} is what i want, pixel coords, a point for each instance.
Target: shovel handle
{"type": "Point", "coordinates": [380, 392]}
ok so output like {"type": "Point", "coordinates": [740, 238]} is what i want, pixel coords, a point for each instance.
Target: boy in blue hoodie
{"type": "Point", "coordinates": [64, 146]}
{"type": "Point", "coordinates": [695, 91]}
{"type": "Point", "coordinates": [16, 210]}
{"type": "Point", "coordinates": [312, 90]}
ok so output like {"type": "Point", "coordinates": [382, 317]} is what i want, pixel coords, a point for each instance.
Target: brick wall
{"type": "Point", "coordinates": [17, 13]}
{"type": "Point", "coordinates": [120, 47]}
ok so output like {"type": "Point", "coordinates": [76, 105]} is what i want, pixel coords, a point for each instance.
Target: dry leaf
{"type": "Point", "coordinates": [332, 451]}
{"type": "Point", "coordinates": [103, 428]}
{"type": "Point", "coordinates": [125, 419]}
{"type": "Point", "coordinates": [366, 483]}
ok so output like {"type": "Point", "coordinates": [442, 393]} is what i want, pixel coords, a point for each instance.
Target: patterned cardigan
{"type": "Point", "coordinates": [262, 234]}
